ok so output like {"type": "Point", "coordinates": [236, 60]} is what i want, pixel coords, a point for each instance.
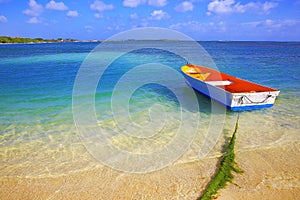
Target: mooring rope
{"type": "Point", "coordinates": [241, 101]}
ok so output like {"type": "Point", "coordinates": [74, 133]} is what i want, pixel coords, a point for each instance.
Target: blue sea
{"type": "Point", "coordinates": [38, 133]}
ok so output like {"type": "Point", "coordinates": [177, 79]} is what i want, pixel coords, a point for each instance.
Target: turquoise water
{"type": "Point", "coordinates": [37, 132]}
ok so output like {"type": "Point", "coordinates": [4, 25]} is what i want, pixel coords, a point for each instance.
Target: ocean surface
{"type": "Point", "coordinates": [38, 136]}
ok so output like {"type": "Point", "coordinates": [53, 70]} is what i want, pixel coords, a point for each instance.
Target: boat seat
{"type": "Point", "coordinates": [202, 76]}
{"type": "Point", "coordinates": [218, 83]}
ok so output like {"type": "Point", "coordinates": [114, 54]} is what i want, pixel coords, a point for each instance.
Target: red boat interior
{"type": "Point", "coordinates": [233, 84]}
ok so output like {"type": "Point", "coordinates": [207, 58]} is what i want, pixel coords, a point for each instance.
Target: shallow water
{"type": "Point", "coordinates": [38, 134]}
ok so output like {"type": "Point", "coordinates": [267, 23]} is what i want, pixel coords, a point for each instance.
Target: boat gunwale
{"type": "Point", "coordinates": [268, 89]}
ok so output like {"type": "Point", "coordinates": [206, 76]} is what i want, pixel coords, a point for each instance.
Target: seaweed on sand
{"type": "Point", "coordinates": [227, 165]}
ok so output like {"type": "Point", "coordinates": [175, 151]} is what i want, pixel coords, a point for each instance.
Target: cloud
{"type": "Point", "coordinates": [35, 9]}
{"type": "Point", "coordinates": [195, 26]}
{"type": "Point", "coordinates": [98, 15]}
{"type": "Point", "coordinates": [136, 3]}
{"type": "Point", "coordinates": [269, 29]}
{"type": "Point", "coordinates": [52, 5]}
{"type": "Point", "coordinates": [267, 24]}
{"type": "Point", "coordinates": [134, 16]}
{"type": "Point", "coordinates": [266, 7]}
{"type": "Point", "coordinates": [133, 3]}
{"type": "Point", "coordinates": [184, 6]}
{"type": "Point", "coordinates": [100, 6]}
{"type": "Point", "coordinates": [273, 24]}
{"type": "Point", "coordinates": [34, 20]}
{"type": "Point", "coordinates": [159, 15]}
{"type": "Point", "coordinates": [157, 3]}
{"type": "Point", "coordinates": [89, 28]}
{"type": "Point", "coordinates": [118, 27]}
{"type": "Point", "coordinates": [262, 8]}
{"type": "Point", "coordinates": [3, 19]}
{"type": "Point", "coordinates": [220, 7]}
{"type": "Point", "coordinates": [72, 13]}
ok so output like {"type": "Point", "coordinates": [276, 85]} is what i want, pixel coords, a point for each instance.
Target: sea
{"type": "Point", "coordinates": [69, 107]}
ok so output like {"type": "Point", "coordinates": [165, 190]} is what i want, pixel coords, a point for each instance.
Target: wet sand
{"type": "Point", "coordinates": [270, 173]}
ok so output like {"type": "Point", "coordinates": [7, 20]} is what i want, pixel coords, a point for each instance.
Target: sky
{"type": "Point", "coordinates": [239, 20]}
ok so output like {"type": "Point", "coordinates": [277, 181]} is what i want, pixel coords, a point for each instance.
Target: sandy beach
{"type": "Point", "coordinates": [268, 156]}
{"type": "Point", "coordinates": [270, 173]}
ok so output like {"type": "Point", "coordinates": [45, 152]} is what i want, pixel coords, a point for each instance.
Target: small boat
{"type": "Point", "coordinates": [236, 94]}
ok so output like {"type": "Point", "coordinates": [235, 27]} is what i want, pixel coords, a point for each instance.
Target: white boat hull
{"type": "Point", "coordinates": [233, 101]}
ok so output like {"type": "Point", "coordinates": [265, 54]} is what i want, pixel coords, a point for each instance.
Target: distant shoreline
{"type": "Point", "coordinates": [130, 40]}
{"type": "Point", "coordinates": [37, 43]}
{"type": "Point", "coordinates": [23, 40]}
{"type": "Point", "coordinates": [266, 42]}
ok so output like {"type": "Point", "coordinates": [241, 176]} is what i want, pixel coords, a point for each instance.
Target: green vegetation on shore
{"type": "Point", "coordinates": [224, 174]}
{"type": "Point", "coordinates": [6, 39]}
